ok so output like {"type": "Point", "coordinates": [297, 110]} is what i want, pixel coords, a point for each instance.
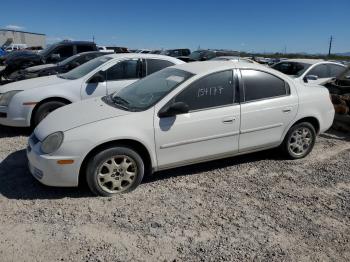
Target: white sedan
{"type": "Point", "coordinates": [26, 103]}
{"type": "Point", "coordinates": [180, 115]}
{"type": "Point", "coordinates": [310, 71]}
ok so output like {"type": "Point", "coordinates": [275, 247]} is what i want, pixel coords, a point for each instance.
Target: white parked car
{"type": "Point", "coordinates": [178, 116]}
{"type": "Point", "coordinates": [310, 71]}
{"type": "Point", "coordinates": [26, 103]}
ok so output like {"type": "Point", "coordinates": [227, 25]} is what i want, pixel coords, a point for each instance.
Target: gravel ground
{"type": "Point", "coordinates": [255, 207]}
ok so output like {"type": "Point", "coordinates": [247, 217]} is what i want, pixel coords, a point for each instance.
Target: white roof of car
{"type": "Point", "coordinates": [208, 66]}
{"type": "Point", "coordinates": [145, 56]}
{"type": "Point", "coordinates": [305, 61]}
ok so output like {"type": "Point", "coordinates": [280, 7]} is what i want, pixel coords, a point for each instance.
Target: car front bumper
{"type": "Point", "coordinates": [7, 120]}
{"type": "Point", "coordinates": [45, 168]}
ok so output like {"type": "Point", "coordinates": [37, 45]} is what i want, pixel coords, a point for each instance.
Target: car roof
{"type": "Point", "coordinates": [214, 66]}
{"type": "Point", "coordinates": [305, 61]}
{"type": "Point", "coordinates": [145, 56]}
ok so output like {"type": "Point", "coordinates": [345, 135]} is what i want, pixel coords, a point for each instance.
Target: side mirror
{"type": "Point", "coordinates": [97, 78]}
{"type": "Point", "coordinates": [55, 57]}
{"type": "Point", "coordinates": [310, 77]}
{"type": "Point", "coordinates": [174, 109]}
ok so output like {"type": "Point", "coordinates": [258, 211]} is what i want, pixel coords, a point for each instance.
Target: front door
{"type": "Point", "coordinates": [208, 131]}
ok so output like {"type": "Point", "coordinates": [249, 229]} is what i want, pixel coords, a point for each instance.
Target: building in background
{"type": "Point", "coordinates": [8, 37]}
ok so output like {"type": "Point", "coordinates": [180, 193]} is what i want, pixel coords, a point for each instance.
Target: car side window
{"type": "Point", "coordinates": [154, 65]}
{"type": "Point", "coordinates": [321, 71]}
{"type": "Point", "coordinates": [335, 70]}
{"type": "Point", "coordinates": [261, 85]}
{"type": "Point", "coordinates": [84, 48]}
{"type": "Point", "coordinates": [64, 51]}
{"type": "Point", "coordinates": [210, 91]}
{"type": "Point", "coordinates": [128, 69]}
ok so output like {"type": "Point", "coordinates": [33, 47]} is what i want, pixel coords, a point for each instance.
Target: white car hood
{"type": "Point", "coordinates": [39, 67]}
{"type": "Point", "coordinates": [75, 115]}
{"type": "Point", "coordinates": [33, 83]}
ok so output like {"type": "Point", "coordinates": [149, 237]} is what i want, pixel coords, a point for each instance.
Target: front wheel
{"type": "Point", "coordinates": [299, 140]}
{"type": "Point", "coordinates": [114, 171]}
{"type": "Point", "coordinates": [45, 109]}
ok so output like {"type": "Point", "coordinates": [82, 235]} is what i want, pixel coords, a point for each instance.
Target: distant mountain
{"type": "Point", "coordinates": [344, 54]}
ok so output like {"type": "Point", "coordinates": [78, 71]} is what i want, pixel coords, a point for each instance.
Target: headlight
{"type": "Point", "coordinates": [5, 98]}
{"type": "Point", "coordinates": [52, 142]}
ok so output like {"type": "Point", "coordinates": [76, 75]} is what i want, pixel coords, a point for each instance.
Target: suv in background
{"type": "Point", "coordinates": [52, 54]}
{"type": "Point", "coordinates": [204, 55]}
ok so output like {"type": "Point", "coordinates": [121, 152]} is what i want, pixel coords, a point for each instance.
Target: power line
{"type": "Point", "coordinates": [330, 46]}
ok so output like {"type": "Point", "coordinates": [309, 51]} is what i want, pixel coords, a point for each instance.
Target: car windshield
{"type": "Point", "coordinates": [68, 60]}
{"type": "Point", "coordinates": [45, 52]}
{"type": "Point", "coordinates": [84, 69]}
{"type": "Point", "coordinates": [294, 69]}
{"type": "Point", "coordinates": [196, 55]}
{"type": "Point", "coordinates": [148, 91]}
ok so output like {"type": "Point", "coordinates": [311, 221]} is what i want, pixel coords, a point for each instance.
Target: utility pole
{"type": "Point", "coordinates": [330, 46]}
{"type": "Point", "coordinates": [93, 39]}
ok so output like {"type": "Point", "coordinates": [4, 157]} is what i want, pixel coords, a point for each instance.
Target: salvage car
{"type": "Point", "coordinates": [310, 71]}
{"type": "Point", "coordinates": [176, 52]}
{"type": "Point", "coordinates": [26, 103]}
{"type": "Point", "coordinates": [53, 69]}
{"type": "Point", "coordinates": [53, 54]}
{"type": "Point", "coordinates": [180, 115]}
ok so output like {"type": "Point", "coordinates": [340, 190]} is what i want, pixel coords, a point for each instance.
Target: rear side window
{"type": "Point", "coordinates": [84, 48]}
{"type": "Point", "coordinates": [261, 85]}
{"type": "Point", "coordinates": [335, 70]}
{"type": "Point", "coordinates": [154, 65]}
{"type": "Point", "coordinates": [321, 71]}
{"type": "Point", "coordinates": [210, 91]}
{"type": "Point", "coordinates": [128, 69]}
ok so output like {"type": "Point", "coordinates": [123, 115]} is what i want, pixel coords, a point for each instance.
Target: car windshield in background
{"type": "Point", "coordinates": [84, 69]}
{"type": "Point", "coordinates": [196, 55]}
{"type": "Point", "coordinates": [68, 60]}
{"type": "Point", "coordinates": [291, 68]}
{"type": "Point", "coordinates": [47, 50]}
{"type": "Point", "coordinates": [148, 91]}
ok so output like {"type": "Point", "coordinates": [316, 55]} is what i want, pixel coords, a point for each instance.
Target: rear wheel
{"type": "Point", "coordinates": [299, 140]}
{"type": "Point", "coordinates": [114, 171]}
{"type": "Point", "coordinates": [45, 109]}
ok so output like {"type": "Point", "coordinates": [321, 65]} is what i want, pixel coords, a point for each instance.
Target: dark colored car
{"type": "Point", "coordinates": [341, 84]}
{"type": "Point", "coordinates": [53, 54]}
{"type": "Point", "coordinates": [176, 52]}
{"type": "Point", "coordinates": [204, 55]}
{"type": "Point", "coordinates": [53, 69]}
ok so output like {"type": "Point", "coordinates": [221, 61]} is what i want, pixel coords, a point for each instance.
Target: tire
{"type": "Point", "coordinates": [299, 140]}
{"type": "Point", "coordinates": [45, 109]}
{"type": "Point", "coordinates": [114, 171]}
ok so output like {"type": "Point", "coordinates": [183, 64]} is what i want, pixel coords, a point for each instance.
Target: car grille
{"type": "Point", "coordinates": [37, 173]}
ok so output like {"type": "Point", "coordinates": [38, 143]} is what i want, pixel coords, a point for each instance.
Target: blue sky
{"type": "Point", "coordinates": [250, 25]}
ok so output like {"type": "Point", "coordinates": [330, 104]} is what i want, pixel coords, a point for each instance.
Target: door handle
{"type": "Point", "coordinates": [287, 110]}
{"type": "Point", "coordinates": [228, 120]}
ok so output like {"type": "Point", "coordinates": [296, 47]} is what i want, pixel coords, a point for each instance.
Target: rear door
{"type": "Point", "coordinates": [154, 65]}
{"type": "Point", "coordinates": [269, 104]}
{"type": "Point", "coordinates": [123, 74]}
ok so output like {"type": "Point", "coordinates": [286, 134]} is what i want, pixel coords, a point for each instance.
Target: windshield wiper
{"type": "Point", "coordinates": [119, 100]}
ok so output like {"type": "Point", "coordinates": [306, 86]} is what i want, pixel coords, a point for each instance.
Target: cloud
{"type": "Point", "coordinates": [14, 27]}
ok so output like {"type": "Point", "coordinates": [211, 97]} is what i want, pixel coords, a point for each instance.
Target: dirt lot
{"type": "Point", "coordinates": [256, 207]}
